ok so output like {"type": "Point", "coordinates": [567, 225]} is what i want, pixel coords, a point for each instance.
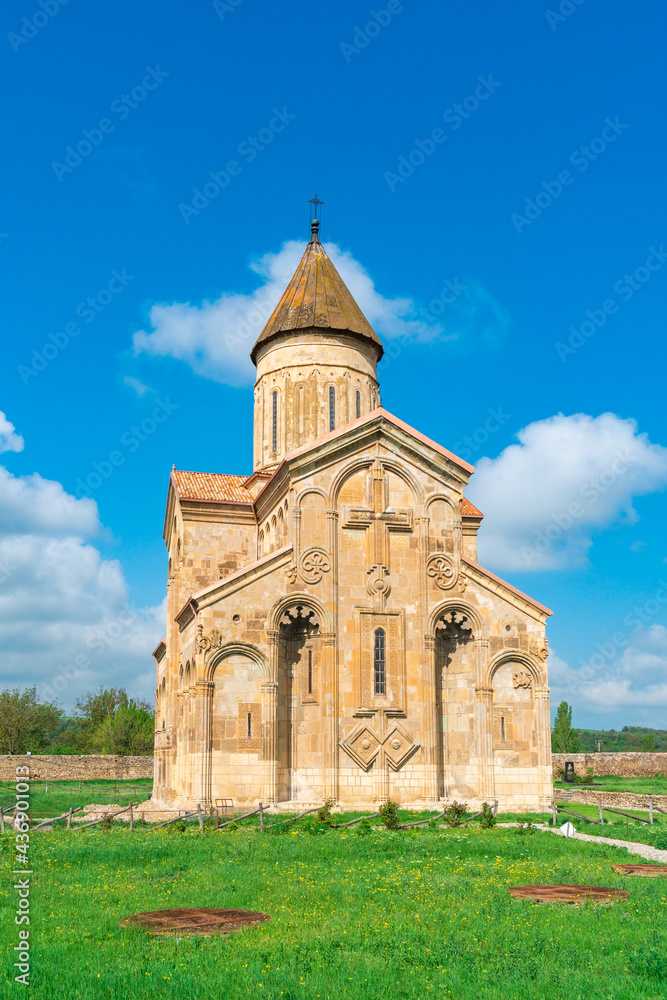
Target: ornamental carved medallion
{"type": "Point", "coordinates": [212, 640]}
{"type": "Point", "coordinates": [442, 570]}
{"type": "Point", "coordinates": [521, 677]}
{"type": "Point", "coordinates": [313, 563]}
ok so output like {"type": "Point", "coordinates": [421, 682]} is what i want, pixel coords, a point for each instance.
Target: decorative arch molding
{"type": "Point", "coordinates": [455, 505]}
{"type": "Point", "coordinates": [456, 604]}
{"type": "Point", "coordinates": [237, 649]}
{"type": "Point", "coordinates": [304, 600]}
{"type": "Point", "coordinates": [407, 477]}
{"type": "Point", "coordinates": [515, 656]}
{"type": "Point", "coordinates": [310, 489]}
{"type": "Point", "coordinates": [357, 466]}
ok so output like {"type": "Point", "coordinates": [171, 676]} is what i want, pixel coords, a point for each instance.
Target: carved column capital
{"type": "Point", "coordinates": [332, 515]}
{"type": "Point", "coordinates": [272, 636]}
{"type": "Point", "coordinates": [429, 641]}
{"type": "Point", "coordinates": [484, 692]}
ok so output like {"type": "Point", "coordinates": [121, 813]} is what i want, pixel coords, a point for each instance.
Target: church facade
{"type": "Point", "coordinates": [331, 634]}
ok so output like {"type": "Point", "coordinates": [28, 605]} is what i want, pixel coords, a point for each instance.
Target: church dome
{"type": "Point", "coordinates": [316, 360]}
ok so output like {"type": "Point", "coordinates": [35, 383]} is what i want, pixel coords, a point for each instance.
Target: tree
{"type": "Point", "coordinates": [564, 739]}
{"type": "Point", "coordinates": [116, 724]}
{"type": "Point", "coordinates": [26, 723]}
{"type": "Point", "coordinates": [648, 743]}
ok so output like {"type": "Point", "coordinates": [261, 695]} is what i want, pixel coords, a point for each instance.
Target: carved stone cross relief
{"type": "Point", "coordinates": [379, 519]}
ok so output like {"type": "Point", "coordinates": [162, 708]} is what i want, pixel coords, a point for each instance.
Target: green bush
{"type": "Point", "coordinates": [455, 813]}
{"type": "Point", "coordinates": [487, 819]}
{"type": "Point", "coordinates": [389, 814]}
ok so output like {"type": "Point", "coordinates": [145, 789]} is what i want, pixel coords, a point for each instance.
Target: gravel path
{"type": "Point", "coordinates": [644, 850]}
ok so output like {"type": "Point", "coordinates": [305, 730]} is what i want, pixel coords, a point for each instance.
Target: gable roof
{"type": "Point", "coordinates": [211, 486]}
{"type": "Point", "coordinates": [316, 297]}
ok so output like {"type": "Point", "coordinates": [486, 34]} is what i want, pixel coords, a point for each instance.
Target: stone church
{"type": "Point", "coordinates": [331, 634]}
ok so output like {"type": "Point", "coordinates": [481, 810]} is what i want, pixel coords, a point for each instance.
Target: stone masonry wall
{"type": "Point", "coordinates": [72, 767]}
{"type": "Point", "coordinates": [615, 800]}
{"type": "Point", "coordinates": [628, 765]}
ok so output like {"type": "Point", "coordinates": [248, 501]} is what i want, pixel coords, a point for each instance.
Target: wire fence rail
{"type": "Point", "coordinates": [71, 818]}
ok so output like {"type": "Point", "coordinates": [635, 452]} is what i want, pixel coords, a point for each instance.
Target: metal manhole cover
{"type": "Point", "coordinates": [650, 871]}
{"type": "Point", "coordinates": [568, 893]}
{"type": "Point", "coordinates": [202, 920]}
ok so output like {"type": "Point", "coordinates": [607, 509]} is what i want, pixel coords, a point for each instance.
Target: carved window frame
{"type": "Point", "coordinates": [392, 702]}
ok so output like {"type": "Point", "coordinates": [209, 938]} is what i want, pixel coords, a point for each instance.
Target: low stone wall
{"type": "Point", "coordinates": [71, 767]}
{"type": "Point", "coordinates": [633, 764]}
{"type": "Point", "coordinates": [615, 800]}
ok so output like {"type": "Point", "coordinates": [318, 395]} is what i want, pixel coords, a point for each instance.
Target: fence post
{"type": "Point", "coordinates": [261, 818]}
{"type": "Point", "coordinates": [2, 820]}
{"type": "Point", "coordinates": [650, 810]}
{"type": "Point", "coordinates": [600, 811]}
{"type": "Point", "coordinates": [200, 818]}
{"type": "Point", "coordinates": [79, 786]}
{"type": "Point", "coordinates": [495, 807]}
{"type": "Point", "coordinates": [47, 787]}
{"type": "Point", "coordinates": [131, 819]}
{"type": "Point", "coordinates": [69, 818]}
{"type": "Point", "coordinates": [554, 814]}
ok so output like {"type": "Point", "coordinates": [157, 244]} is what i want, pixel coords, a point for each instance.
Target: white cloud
{"type": "Point", "coordinates": [626, 679]}
{"type": "Point", "coordinates": [569, 477]}
{"type": "Point", "coordinates": [66, 622]}
{"type": "Point", "coordinates": [215, 338]}
{"type": "Point", "coordinates": [137, 386]}
{"type": "Point", "coordinates": [9, 440]}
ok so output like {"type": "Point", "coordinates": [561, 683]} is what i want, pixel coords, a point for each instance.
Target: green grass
{"type": "Point", "coordinates": [648, 785]}
{"type": "Point", "coordinates": [354, 917]}
{"type": "Point", "coordinates": [61, 796]}
{"type": "Point", "coordinates": [618, 827]}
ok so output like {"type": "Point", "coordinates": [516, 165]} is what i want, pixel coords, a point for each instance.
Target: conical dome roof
{"type": "Point", "coordinates": [316, 297]}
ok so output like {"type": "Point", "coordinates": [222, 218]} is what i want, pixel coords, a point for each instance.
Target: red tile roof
{"type": "Point", "coordinates": [211, 486]}
{"type": "Point", "coordinates": [467, 509]}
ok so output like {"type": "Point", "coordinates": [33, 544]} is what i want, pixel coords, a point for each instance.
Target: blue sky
{"type": "Point", "coordinates": [492, 179]}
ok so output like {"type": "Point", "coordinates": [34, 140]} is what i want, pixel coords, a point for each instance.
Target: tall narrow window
{"type": "Point", "coordinates": [358, 402]}
{"type": "Point", "coordinates": [249, 725]}
{"type": "Point", "coordinates": [332, 408]}
{"type": "Point", "coordinates": [502, 728]}
{"type": "Point", "coordinates": [275, 421]}
{"type": "Point", "coordinates": [379, 662]}
{"type": "Point", "coordinates": [310, 671]}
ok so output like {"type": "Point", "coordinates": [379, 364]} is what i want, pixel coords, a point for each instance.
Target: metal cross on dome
{"type": "Point", "coordinates": [314, 202]}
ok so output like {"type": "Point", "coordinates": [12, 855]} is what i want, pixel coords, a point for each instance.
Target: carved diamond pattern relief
{"type": "Point", "coordinates": [398, 746]}
{"type": "Point", "coordinates": [362, 745]}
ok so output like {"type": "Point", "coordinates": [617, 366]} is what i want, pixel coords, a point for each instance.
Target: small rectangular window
{"type": "Point", "coordinates": [249, 725]}
{"type": "Point", "coordinates": [332, 408]}
{"type": "Point", "coordinates": [275, 421]}
{"type": "Point", "coordinates": [310, 671]}
{"type": "Point", "coordinates": [502, 728]}
{"type": "Point", "coordinates": [379, 662]}
{"type": "Point", "coordinates": [358, 403]}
